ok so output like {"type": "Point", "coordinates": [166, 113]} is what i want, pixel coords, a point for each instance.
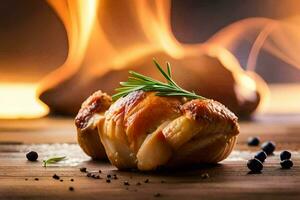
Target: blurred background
{"type": "Point", "coordinates": [35, 41]}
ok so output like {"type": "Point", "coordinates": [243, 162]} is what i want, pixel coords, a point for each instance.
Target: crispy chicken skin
{"type": "Point", "coordinates": [146, 131]}
{"type": "Point", "coordinates": [90, 114]}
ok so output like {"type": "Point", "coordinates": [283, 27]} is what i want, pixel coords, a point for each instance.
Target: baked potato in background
{"type": "Point", "coordinates": [208, 74]}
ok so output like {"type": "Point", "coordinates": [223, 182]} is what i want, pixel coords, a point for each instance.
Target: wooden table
{"type": "Point", "coordinates": [228, 180]}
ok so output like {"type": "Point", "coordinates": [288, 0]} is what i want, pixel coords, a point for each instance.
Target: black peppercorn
{"type": "Point", "coordinates": [286, 164]}
{"type": "Point", "coordinates": [71, 188]}
{"type": "Point", "coordinates": [107, 180]}
{"type": "Point", "coordinates": [126, 183]}
{"type": "Point", "coordinates": [55, 176]}
{"type": "Point", "coordinates": [83, 169]}
{"type": "Point", "coordinates": [138, 183]}
{"type": "Point", "coordinates": [285, 155]}
{"type": "Point", "coordinates": [146, 181]}
{"type": "Point", "coordinates": [254, 165]}
{"type": "Point", "coordinates": [253, 141]}
{"type": "Point", "coordinates": [89, 174]}
{"type": "Point", "coordinates": [157, 195]}
{"type": "Point", "coordinates": [261, 156]}
{"type": "Point", "coordinates": [268, 147]}
{"type": "Point", "coordinates": [71, 179]}
{"type": "Point", "coordinates": [36, 179]}
{"type": "Point", "coordinates": [32, 156]}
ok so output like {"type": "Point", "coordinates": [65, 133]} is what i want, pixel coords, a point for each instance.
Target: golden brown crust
{"type": "Point", "coordinates": [142, 112]}
{"type": "Point", "coordinates": [209, 111]}
{"type": "Point", "coordinates": [125, 104]}
{"type": "Point", "coordinates": [96, 103]}
{"type": "Point", "coordinates": [145, 131]}
{"type": "Point", "coordinates": [90, 114]}
{"type": "Point", "coordinates": [89, 141]}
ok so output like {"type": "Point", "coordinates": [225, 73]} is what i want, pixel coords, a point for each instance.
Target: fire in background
{"type": "Point", "coordinates": [97, 44]}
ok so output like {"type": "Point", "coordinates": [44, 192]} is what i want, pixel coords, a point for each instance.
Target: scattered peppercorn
{"type": "Point", "coordinates": [162, 181]}
{"type": "Point", "coordinates": [91, 175]}
{"type": "Point", "coordinates": [126, 183]}
{"type": "Point", "coordinates": [108, 176]}
{"type": "Point", "coordinates": [36, 179]}
{"type": "Point", "coordinates": [32, 156]}
{"type": "Point", "coordinates": [261, 156]}
{"type": "Point", "coordinates": [71, 188]}
{"type": "Point", "coordinates": [205, 176]}
{"type": "Point", "coordinates": [100, 171]}
{"type": "Point", "coordinates": [285, 155]}
{"type": "Point", "coordinates": [157, 195]}
{"type": "Point", "coordinates": [146, 181]}
{"type": "Point", "coordinates": [268, 147]}
{"type": "Point", "coordinates": [107, 180]}
{"type": "Point", "coordinates": [253, 141]}
{"type": "Point", "coordinates": [83, 169]}
{"type": "Point", "coordinates": [255, 165]}
{"type": "Point", "coordinates": [286, 164]}
{"type": "Point", "coordinates": [115, 176]}
{"type": "Point", "coordinates": [71, 179]}
{"type": "Point", "coordinates": [55, 176]}
{"type": "Point", "coordinates": [138, 183]}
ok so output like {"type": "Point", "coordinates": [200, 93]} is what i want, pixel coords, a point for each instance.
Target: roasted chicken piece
{"type": "Point", "coordinates": [145, 131]}
{"type": "Point", "coordinates": [90, 114]}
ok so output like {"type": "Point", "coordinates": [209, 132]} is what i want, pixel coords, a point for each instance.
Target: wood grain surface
{"type": "Point", "coordinates": [228, 180]}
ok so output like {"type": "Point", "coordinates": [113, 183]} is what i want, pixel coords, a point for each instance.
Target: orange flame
{"type": "Point", "coordinates": [104, 36]}
{"type": "Point", "coordinates": [94, 42]}
{"type": "Point", "coordinates": [19, 101]}
{"type": "Point", "coordinates": [278, 37]}
{"type": "Point", "coordinates": [105, 33]}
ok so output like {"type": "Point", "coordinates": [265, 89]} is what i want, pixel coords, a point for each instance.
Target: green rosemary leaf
{"type": "Point", "coordinates": [162, 71]}
{"type": "Point", "coordinates": [127, 91]}
{"type": "Point", "coordinates": [139, 76]}
{"type": "Point", "coordinates": [193, 96]}
{"type": "Point", "coordinates": [137, 81]}
{"type": "Point", "coordinates": [53, 160]}
{"type": "Point", "coordinates": [169, 69]}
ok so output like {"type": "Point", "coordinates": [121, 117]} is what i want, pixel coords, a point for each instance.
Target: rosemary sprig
{"type": "Point", "coordinates": [53, 160]}
{"type": "Point", "coordinates": [138, 81]}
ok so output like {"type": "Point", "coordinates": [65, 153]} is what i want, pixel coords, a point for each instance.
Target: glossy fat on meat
{"type": "Point", "coordinates": [87, 120]}
{"type": "Point", "coordinates": [130, 120]}
{"type": "Point", "coordinates": [146, 131]}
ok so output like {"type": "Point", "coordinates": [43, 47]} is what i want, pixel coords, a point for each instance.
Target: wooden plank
{"type": "Point", "coordinates": [44, 130]}
{"type": "Point", "coordinates": [62, 130]}
{"type": "Point", "coordinates": [228, 180]}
